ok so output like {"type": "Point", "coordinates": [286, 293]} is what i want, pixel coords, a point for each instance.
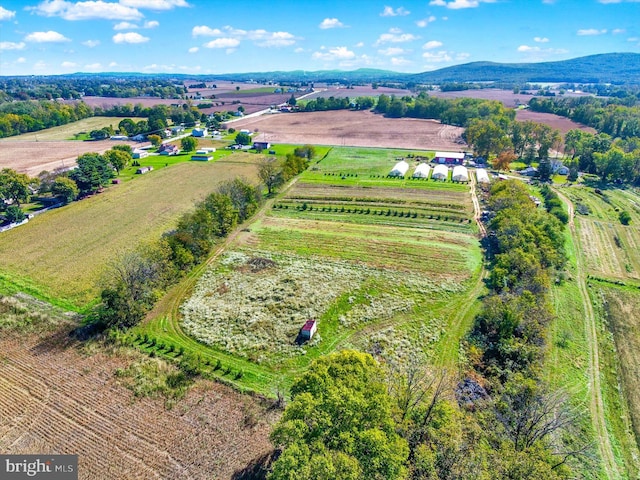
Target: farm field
{"type": "Point", "coordinates": [32, 157]}
{"type": "Point", "coordinates": [60, 397]}
{"type": "Point", "coordinates": [396, 281]}
{"type": "Point", "coordinates": [68, 131]}
{"type": "Point", "coordinates": [359, 129]}
{"type": "Point", "coordinates": [61, 255]}
{"type": "Point", "coordinates": [554, 121]}
{"type": "Point", "coordinates": [620, 305]}
{"type": "Point", "coordinates": [611, 250]}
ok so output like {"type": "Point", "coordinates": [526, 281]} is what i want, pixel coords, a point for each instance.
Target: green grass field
{"type": "Point", "coordinates": [395, 288]}
{"type": "Point", "coordinates": [71, 131]}
{"type": "Point", "coordinates": [60, 255]}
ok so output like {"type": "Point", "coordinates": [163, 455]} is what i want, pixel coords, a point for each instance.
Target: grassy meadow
{"type": "Point", "coordinates": [60, 255]}
{"type": "Point", "coordinates": [71, 131]}
{"type": "Point", "coordinates": [395, 286]}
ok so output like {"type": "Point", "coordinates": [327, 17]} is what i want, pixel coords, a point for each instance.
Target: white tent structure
{"type": "Point", "coordinates": [460, 174]}
{"type": "Point", "coordinates": [482, 176]}
{"type": "Point", "coordinates": [399, 169]}
{"type": "Point", "coordinates": [422, 171]}
{"type": "Point", "coordinates": [440, 172]}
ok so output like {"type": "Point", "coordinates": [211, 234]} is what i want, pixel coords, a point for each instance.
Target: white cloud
{"type": "Point", "coordinates": [39, 65]}
{"type": "Point", "coordinates": [395, 36]}
{"type": "Point", "coordinates": [93, 66]}
{"type": "Point", "coordinates": [437, 57]}
{"type": "Point", "coordinates": [91, 43]}
{"type": "Point", "coordinates": [536, 49]}
{"type": "Point", "coordinates": [21, 60]}
{"type": "Point", "coordinates": [12, 46]}
{"type": "Point", "coordinates": [391, 51]}
{"type": "Point", "coordinates": [205, 31]}
{"type": "Point", "coordinates": [155, 4]}
{"type": "Point", "coordinates": [193, 49]}
{"type": "Point", "coordinates": [223, 43]}
{"type": "Point", "coordinates": [633, 39]}
{"type": "Point", "coordinates": [398, 12]}
{"type": "Point", "coordinates": [113, 64]}
{"type": "Point", "coordinates": [425, 21]}
{"type": "Point", "coordinates": [332, 54]}
{"type": "Point", "coordinates": [133, 26]}
{"type": "Point", "coordinates": [6, 14]}
{"type": "Point", "coordinates": [431, 44]}
{"type": "Point", "coordinates": [458, 4]}
{"type": "Point", "coordinates": [330, 23]}
{"type": "Point", "coordinates": [618, 31]}
{"type": "Point", "coordinates": [618, 1]}
{"type": "Point", "coordinates": [591, 31]}
{"type": "Point", "coordinates": [359, 45]}
{"type": "Point", "coordinates": [462, 56]}
{"type": "Point", "coordinates": [46, 37]}
{"type": "Point", "coordinates": [298, 50]}
{"type": "Point", "coordinates": [129, 37]}
{"type": "Point", "coordinates": [68, 65]}
{"type": "Point", "coordinates": [262, 38]}
{"type": "Point", "coordinates": [87, 10]}
{"type": "Point", "coordinates": [540, 39]}
{"type": "Point", "coordinates": [399, 61]}
{"type": "Point", "coordinates": [125, 26]}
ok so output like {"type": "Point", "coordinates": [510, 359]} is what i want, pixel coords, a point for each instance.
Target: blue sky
{"type": "Point", "coordinates": [211, 36]}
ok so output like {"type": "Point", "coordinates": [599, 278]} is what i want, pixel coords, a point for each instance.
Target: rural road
{"type": "Point", "coordinates": [596, 404]}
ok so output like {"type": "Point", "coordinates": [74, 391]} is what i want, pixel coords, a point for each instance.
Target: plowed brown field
{"type": "Point", "coordinates": [54, 399]}
{"type": "Point", "coordinates": [356, 129]}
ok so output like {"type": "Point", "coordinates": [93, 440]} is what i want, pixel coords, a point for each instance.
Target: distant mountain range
{"type": "Point", "coordinates": [619, 68]}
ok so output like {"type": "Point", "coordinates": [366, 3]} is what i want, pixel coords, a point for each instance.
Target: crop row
{"type": "Point", "coordinates": [368, 211]}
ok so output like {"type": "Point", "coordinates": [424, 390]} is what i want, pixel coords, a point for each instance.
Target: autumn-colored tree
{"type": "Point", "coordinates": [503, 160]}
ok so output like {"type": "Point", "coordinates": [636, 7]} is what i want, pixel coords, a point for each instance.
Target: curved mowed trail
{"type": "Point", "coordinates": [596, 404]}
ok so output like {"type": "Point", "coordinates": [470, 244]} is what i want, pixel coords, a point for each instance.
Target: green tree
{"type": "Point", "coordinates": [127, 127]}
{"type": "Point", "coordinates": [487, 138]}
{"type": "Point", "coordinates": [270, 173]}
{"type": "Point", "coordinates": [292, 101]}
{"type": "Point", "coordinates": [544, 170]}
{"type": "Point", "coordinates": [189, 144]}
{"type": "Point", "coordinates": [340, 415]}
{"type": "Point", "coordinates": [625, 217]}
{"type": "Point", "coordinates": [383, 104]}
{"type": "Point", "coordinates": [243, 138]}
{"type": "Point", "coordinates": [14, 214]}
{"type": "Point", "coordinates": [65, 189]}
{"type": "Point", "coordinates": [156, 140]}
{"type": "Point", "coordinates": [100, 134]}
{"type": "Point", "coordinates": [123, 148]}
{"type": "Point", "coordinates": [118, 159]}
{"type": "Point", "coordinates": [14, 186]}
{"type": "Point", "coordinates": [92, 173]}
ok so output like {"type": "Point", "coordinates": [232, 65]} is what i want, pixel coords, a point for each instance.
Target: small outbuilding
{"type": "Point", "coordinates": [139, 153]}
{"type": "Point", "coordinates": [482, 176]}
{"type": "Point", "coordinates": [460, 174]}
{"type": "Point", "coordinates": [199, 132]}
{"type": "Point", "coordinates": [449, 158]}
{"type": "Point", "coordinates": [440, 172]}
{"type": "Point", "coordinates": [422, 171]}
{"type": "Point", "coordinates": [143, 170]}
{"type": "Point", "coordinates": [308, 330]}
{"type": "Point", "coordinates": [529, 172]}
{"type": "Point", "coordinates": [400, 169]}
{"type": "Point", "coordinates": [261, 145]}
{"type": "Point", "coordinates": [203, 155]}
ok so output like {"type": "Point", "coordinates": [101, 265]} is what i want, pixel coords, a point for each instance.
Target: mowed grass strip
{"type": "Point", "coordinates": [445, 255]}
{"type": "Point", "coordinates": [62, 253]}
{"type": "Point", "coordinates": [449, 199]}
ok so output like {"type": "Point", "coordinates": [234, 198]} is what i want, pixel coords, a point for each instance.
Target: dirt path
{"type": "Point", "coordinates": [476, 206]}
{"type": "Point", "coordinates": [596, 404]}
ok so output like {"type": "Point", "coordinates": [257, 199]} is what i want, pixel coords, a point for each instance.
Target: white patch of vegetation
{"type": "Point", "coordinates": [258, 312]}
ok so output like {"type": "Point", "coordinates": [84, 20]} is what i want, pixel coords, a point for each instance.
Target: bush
{"type": "Point", "coordinates": [624, 217]}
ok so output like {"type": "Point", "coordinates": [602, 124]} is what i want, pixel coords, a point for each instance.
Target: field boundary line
{"type": "Point", "coordinates": [596, 404]}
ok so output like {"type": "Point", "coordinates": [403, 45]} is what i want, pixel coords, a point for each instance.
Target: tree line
{"type": "Point", "coordinates": [29, 116]}
{"type": "Point", "coordinates": [135, 281]}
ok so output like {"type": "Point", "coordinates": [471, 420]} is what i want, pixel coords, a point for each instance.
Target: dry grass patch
{"type": "Point", "coordinates": [62, 253]}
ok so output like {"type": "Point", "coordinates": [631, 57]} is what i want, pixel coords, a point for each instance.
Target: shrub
{"type": "Point", "coordinates": [624, 217]}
